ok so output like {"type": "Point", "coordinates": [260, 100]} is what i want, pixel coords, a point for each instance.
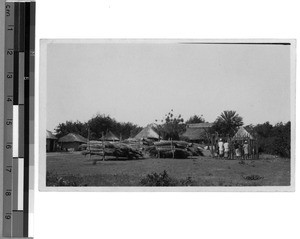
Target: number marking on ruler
{"type": "Point", "coordinates": [18, 112]}
{"type": "Point", "coordinates": [8, 89]}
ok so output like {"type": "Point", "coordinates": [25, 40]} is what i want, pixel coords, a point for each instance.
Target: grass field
{"type": "Point", "coordinates": [203, 171]}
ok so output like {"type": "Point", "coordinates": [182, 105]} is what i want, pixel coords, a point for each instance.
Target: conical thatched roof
{"type": "Point", "coordinates": [71, 137]}
{"type": "Point", "coordinates": [242, 133]}
{"type": "Point", "coordinates": [109, 136]}
{"type": "Point", "coordinates": [147, 133]}
{"type": "Point", "coordinates": [49, 135]}
{"type": "Point", "coordinates": [195, 133]}
{"type": "Point", "coordinates": [200, 125]}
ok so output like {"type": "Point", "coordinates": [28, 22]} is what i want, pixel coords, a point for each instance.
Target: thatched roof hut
{"type": "Point", "coordinates": [49, 135]}
{"type": "Point", "coordinates": [242, 134]}
{"type": "Point", "coordinates": [71, 137]}
{"type": "Point", "coordinates": [147, 133]}
{"type": "Point", "coordinates": [50, 141]}
{"type": "Point", "coordinates": [109, 136]}
{"type": "Point", "coordinates": [197, 132]}
{"type": "Point", "coordinates": [72, 141]}
{"type": "Point", "coordinates": [200, 125]}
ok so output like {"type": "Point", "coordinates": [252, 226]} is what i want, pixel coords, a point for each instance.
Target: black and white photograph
{"type": "Point", "coordinates": [168, 113]}
{"type": "Point", "coordinates": [149, 119]}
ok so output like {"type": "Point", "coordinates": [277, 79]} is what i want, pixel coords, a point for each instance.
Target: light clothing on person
{"type": "Point", "coordinates": [221, 147]}
{"type": "Point", "coordinates": [246, 150]}
{"type": "Point", "coordinates": [238, 152]}
{"type": "Point", "coordinates": [226, 147]}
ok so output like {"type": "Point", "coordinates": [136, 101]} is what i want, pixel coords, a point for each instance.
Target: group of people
{"type": "Point", "coordinates": [226, 149]}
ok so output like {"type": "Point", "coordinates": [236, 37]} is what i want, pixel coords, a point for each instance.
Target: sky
{"type": "Point", "coordinates": [141, 82]}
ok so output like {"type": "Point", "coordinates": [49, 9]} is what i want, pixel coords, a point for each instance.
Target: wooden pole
{"type": "Point", "coordinates": [172, 148]}
{"type": "Point", "coordinates": [251, 148]}
{"type": "Point", "coordinates": [89, 141]}
{"type": "Point", "coordinates": [103, 147]}
{"type": "Point", "coordinates": [212, 146]}
{"type": "Point", "coordinates": [256, 149]}
{"type": "Point", "coordinates": [158, 152]}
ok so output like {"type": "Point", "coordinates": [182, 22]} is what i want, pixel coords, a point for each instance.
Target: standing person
{"type": "Point", "coordinates": [237, 150]}
{"type": "Point", "coordinates": [241, 152]}
{"type": "Point", "coordinates": [246, 149]}
{"type": "Point", "coordinates": [216, 150]}
{"type": "Point", "coordinates": [221, 148]}
{"type": "Point", "coordinates": [226, 149]}
{"type": "Point", "coordinates": [231, 150]}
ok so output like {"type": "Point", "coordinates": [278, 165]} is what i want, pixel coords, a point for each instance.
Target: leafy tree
{"type": "Point", "coordinates": [274, 139]}
{"type": "Point", "coordinates": [98, 124]}
{"type": "Point", "coordinates": [195, 119]}
{"type": "Point", "coordinates": [103, 123]}
{"type": "Point", "coordinates": [71, 127]}
{"type": "Point", "coordinates": [172, 126]}
{"type": "Point", "coordinates": [282, 134]}
{"type": "Point", "coordinates": [127, 130]}
{"type": "Point", "coordinates": [264, 130]}
{"type": "Point", "coordinates": [227, 123]}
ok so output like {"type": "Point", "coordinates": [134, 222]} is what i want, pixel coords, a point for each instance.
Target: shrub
{"type": "Point", "coordinates": [155, 179]}
{"type": "Point", "coordinates": [163, 179]}
{"type": "Point", "coordinates": [274, 139]}
{"type": "Point", "coordinates": [187, 182]}
{"type": "Point", "coordinates": [52, 179]}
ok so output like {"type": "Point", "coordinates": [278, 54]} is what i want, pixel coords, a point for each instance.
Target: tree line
{"type": "Point", "coordinates": [272, 139]}
{"type": "Point", "coordinates": [96, 126]}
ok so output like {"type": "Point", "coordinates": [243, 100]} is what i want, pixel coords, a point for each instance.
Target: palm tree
{"type": "Point", "coordinates": [227, 123]}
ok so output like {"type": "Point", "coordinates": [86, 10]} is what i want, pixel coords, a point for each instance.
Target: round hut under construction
{"type": "Point", "coordinates": [242, 136]}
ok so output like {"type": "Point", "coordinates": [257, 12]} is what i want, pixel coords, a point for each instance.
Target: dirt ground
{"type": "Point", "coordinates": [204, 171]}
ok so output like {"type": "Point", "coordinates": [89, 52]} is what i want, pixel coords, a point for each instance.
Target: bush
{"type": "Point", "coordinates": [187, 182]}
{"type": "Point", "coordinates": [155, 179]}
{"type": "Point", "coordinates": [52, 179]}
{"type": "Point", "coordinates": [274, 140]}
{"type": "Point", "coordinates": [163, 179]}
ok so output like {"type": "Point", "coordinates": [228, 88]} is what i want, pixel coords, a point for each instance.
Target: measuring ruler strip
{"type": "Point", "coordinates": [19, 119]}
{"type": "Point", "coordinates": [8, 112]}
{"type": "Point", "coordinates": [18, 230]}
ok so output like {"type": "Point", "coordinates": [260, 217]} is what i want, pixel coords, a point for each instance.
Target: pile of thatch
{"type": "Point", "coordinates": [115, 149]}
{"type": "Point", "coordinates": [133, 143]}
{"type": "Point", "coordinates": [176, 149]}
